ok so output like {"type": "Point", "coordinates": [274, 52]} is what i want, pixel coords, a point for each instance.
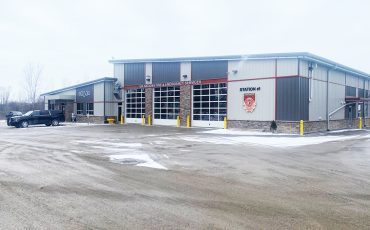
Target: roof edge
{"type": "Point", "coordinates": [104, 79]}
{"type": "Point", "coordinates": [299, 55]}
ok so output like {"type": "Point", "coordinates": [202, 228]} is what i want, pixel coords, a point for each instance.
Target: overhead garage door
{"type": "Point", "coordinates": [135, 105]}
{"type": "Point", "coordinates": [209, 105]}
{"type": "Point", "coordinates": [166, 105]}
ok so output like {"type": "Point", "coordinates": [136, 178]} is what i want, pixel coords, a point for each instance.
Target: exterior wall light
{"type": "Point", "coordinates": [147, 78]}
{"type": "Point", "coordinates": [184, 76]}
{"type": "Point", "coordinates": [235, 71]}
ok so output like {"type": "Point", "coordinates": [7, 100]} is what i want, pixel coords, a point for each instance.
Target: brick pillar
{"type": "Point", "coordinates": [68, 110]}
{"type": "Point", "coordinates": [185, 103]}
{"type": "Point", "coordinates": [148, 104]}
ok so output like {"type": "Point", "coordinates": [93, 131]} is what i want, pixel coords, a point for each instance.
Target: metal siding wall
{"type": "Point", "coordinates": [119, 73]}
{"type": "Point", "coordinates": [69, 92]}
{"type": "Point", "coordinates": [352, 81]}
{"type": "Point", "coordinates": [361, 92]}
{"type": "Point", "coordinates": [110, 108]}
{"type": "Point", "coordinates": [292, 99]}
{"type": "Point", "coordinates": [265, 100]}
{"type": "Point", "coordinates": [149, 73]}
{"type": "Point", "coordinates": [337, 77]}
{"type": "Point", "coordinates": [166, 72]}
{"type": "Point", "coordinates": [304, 99]}
{"type": "Point", "coordinates": [303, 68]}
{"type": "Point", "coordinates": [99, 97]}
{"type": "Point", "coordinates": [287, 67]}
{"type": "Point", "coordinates": [336, 98]}
{"type": "Point", "coordinates": [318, 102]}
{"type": "Point", "coordinates": [251, 69]}
{"type": "Point", "coordinates": [320, 73]}
{"type": "Point", "coordinates": [351, 91]}
{"type": "Point", "coordinates": [134, 74]}
{"type": "Point", "coordinates": [203, 70]}
{"type": "Point", "coordinates": [185, 70]}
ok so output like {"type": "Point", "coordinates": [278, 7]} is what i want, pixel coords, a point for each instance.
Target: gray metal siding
{"type": "Point", "coordinates": [350, 91]}
{"type": "Point", "coordinates": [134, 74]}
{"type": "Point", "coordinates": [292, 99]}
{"type": "Point", "coordinates": [85, 94]}
{"type": "Point", "coordinates": [165, 72]}
{"type": "Point", "coordinates": [361, 93]}
{"type": "Point", "coordinates": [209, 70]}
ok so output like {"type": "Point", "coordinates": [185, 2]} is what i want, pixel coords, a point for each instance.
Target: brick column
{"type": "Point", "coordinates": [68, 110]}
{"type": "Point", "coordinates": [148, 104]}
{"type": "Point", "coordinates": [185, 103]}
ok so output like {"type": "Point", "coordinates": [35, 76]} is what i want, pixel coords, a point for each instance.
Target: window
{"type": "Point", "coordinates": [209, 102]}
{"type": "Point", "coordinates": [135, 103]}
{"type": "Point", "coordinates": [90, 109]}
{"type": "Point", "coordinates": [80, 108]}
{"type": "Point", "coordinates": [166, 102]}
{"type": "Point", "coordinates": [51, 105]}
{"type": "Point", "coordinates": [44, 112]}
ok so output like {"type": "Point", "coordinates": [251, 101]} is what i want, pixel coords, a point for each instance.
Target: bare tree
{"type": "Point", "coordinates": [4, 95]}
{"type": "Point", "coordinates": [32, 75]}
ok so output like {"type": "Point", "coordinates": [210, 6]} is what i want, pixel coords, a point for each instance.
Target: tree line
{"type": "Point", "coordinates": [32, 100]}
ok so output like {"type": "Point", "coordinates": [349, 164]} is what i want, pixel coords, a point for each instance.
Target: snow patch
{"type": "Point", "coordinates": [112, 144]}
{"type": "Point", "coordinates": [142, 160]}
{"type": "Point", "coordinates": [244, 132]}
{"type": "Point", "coordinates": [267, 141]}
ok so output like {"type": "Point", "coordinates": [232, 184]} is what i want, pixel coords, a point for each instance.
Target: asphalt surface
{"type": "Point", "coordinates": [62, 178]}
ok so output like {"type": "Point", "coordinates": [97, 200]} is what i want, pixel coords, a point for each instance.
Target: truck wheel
{"type": "Point", "coordinates": [54, 122]}
{"type": "Point", "coordinates": [24, 124]}
{"type": "Point", "coordinates": [48, 124]}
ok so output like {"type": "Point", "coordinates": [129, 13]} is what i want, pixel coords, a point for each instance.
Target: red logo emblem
{"type": "Point", "coordinates": [249, 102]}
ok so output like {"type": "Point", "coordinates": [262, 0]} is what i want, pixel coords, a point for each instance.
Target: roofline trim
{"type": "Point", "coordinates": [105, 79]}
{"type": "Point", "coordinates": [299, 55]}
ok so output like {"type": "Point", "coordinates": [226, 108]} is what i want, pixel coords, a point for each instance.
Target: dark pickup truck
{"type": "Point", "coordinates": [37, 117]}
{"type": "Point", "coordinates": [12, 114]}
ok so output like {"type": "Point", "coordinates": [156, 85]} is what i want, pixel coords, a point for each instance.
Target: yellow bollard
{"type": "Point", "coordinates": [188, 121]}
{"type": "Point", "coordinates": [178, 121]}
{"type": "Point", "coordinates": [301, 128]}
{"type": "Point", "coordinates": [149, 120]}
{"type": "Point", "coordinates": [225, 123]}
{"type": "Point", "coordinates": [122, 120]}
{"type": "Point", "coordinates": [360, 122]}
{"type": "Point", "coordinates": [143, 120]}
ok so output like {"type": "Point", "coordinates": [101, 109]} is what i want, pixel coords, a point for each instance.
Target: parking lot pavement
{"type": "Point", "coordinates": [136, 177]}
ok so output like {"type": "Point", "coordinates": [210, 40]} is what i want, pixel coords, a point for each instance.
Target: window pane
{"type": "Point", "coordinates": [196, 117]}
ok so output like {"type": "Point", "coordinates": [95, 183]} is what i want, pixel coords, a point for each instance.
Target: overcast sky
{"type": "Point", "coordinates": [73, 40]}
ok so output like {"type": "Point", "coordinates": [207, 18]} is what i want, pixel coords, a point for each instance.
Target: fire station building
{"type": "Point", "coordinates": [248, 90]}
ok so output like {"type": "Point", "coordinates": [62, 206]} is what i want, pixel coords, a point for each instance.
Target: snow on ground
{"type": "Point", "coordinates": [244, 132]}
{"type": "Point", "coordinates": [344, 130]}
{"type": "Point", "coordinates": [271, 141]}
{"type": "Point", "coordinates": [141, 159]}
{"type": "Point", "coordinates": [114, 144]}
{"type": "Point", "coordinates": [125, 153]}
